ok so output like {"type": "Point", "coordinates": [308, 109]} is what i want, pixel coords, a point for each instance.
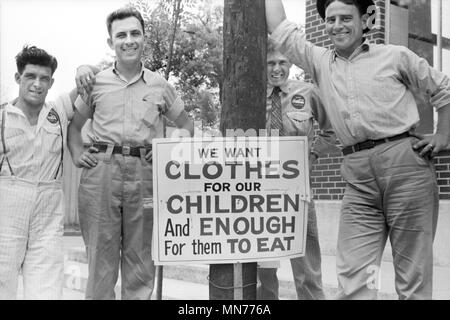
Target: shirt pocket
{"type": "Point", "coordinates": [14, 137]}
{"type": "Point", "coordinates": [52, 139]}
{"type": "Point", "coordinates": [149, 111]}
{"type": "Point", "coordinates": [301, 121]}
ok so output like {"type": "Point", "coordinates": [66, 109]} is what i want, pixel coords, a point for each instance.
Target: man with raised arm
{"type": "Point", "coordinates": [391, 185]}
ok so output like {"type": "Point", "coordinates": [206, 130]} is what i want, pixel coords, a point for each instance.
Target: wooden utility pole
{"type": "Point", "coordinates": [244, 107]}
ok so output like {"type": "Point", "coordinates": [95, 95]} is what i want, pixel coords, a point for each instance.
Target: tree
{"type": "Point", "coordinates": [184, 43]}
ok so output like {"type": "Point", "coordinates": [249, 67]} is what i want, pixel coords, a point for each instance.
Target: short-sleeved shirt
{"type": "Point", "coordinates": [129, 112]}
{"type": "Point", "coordinates": [370, 94]}
{"type": "Point", "coordinates": [34, 152]}
{"type": "Point", "coordinates": [300, 106]}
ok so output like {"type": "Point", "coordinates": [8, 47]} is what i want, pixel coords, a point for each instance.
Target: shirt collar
{"type": "Point", "coordinates": [284, 88]}
{"type": "Point", "coordinates": [364, 47]}
{"type": "Point", "coordinates": [147, 75]}
{"type": "Point", "coordinates": [141, 73]}
{"type": "Point", "coordinates": [12, 109]}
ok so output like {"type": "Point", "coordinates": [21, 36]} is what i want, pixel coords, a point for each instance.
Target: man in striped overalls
{"type": "Point", "coordinates": [31, 199]}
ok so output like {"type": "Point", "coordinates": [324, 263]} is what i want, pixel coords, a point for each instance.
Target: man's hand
{"type": "Point", "coordinates": [85, 78]}
{"type": "Point", "coordinates": [87, 159]}
{"type": "Point", "coordinates": [430, 145]}
{"type": "Point", "coordinates": [312, 160]}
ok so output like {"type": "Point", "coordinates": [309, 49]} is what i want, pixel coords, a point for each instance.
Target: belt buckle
{"type": "Point", "coordinates": [368, 144]}
{"type": "Point", "coordinates": [126, 150]}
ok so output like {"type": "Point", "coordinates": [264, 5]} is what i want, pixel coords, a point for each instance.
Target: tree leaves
{"type": "Point", "coordinates": [196, 60]}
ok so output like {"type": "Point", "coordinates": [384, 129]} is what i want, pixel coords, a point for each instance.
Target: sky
{"type": "Point", "coordinates": [74, 31]}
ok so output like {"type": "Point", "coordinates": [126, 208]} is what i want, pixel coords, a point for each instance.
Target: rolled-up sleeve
{"type": "Point", "coordinates": [174, 104]}
{"type": "Point", "coordinates": [83, 108]}
{"type": "Point", "coordinates": [418, 73]}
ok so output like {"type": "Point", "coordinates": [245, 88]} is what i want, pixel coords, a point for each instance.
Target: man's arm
{"type": "Point", "coordinates": [66, 103]}
{"type": "Point", "coordinates": [175, 111]}
{"type": "Point", "coordinates": [80, 157]}
{"type": "Point", "coordinates": [325, 141]}
{"type": "Point", "coordinates": [73, 94]}
{"type": "Point", "coordinates": [416, 73]}
{"type": "Point", "coordinates": [85, 77]}
{"type": "Point", "coordinates": [439, 141]}
{"type": "Point", "coordinates": [185, 124]}
{"type": "Point", "coordinates": [275, 14]}
{"type": "Point", "coordinates": [186, 127]}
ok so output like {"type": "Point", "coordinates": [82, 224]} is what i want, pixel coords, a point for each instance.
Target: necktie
{"type": "Point", "coordinates": [277, 117]}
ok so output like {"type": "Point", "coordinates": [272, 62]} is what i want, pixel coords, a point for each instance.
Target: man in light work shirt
{"type": "Point", "coordinates": [32, 136]}
{"type": "Point", "coordinates": [391, 185]}
{"type": "Point", "coordinates": [126, 106]}
{"type": "Point", "coordinates": [299, 106]}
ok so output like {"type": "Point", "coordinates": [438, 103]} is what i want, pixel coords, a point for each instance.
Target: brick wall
{"type": "Point", "coordinates": [443, 174]}
{"type": "Point", "coordinates": [326, 180]}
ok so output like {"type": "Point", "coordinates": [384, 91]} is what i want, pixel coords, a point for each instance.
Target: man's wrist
{"type": "Point", "coordinates": [314, 154]}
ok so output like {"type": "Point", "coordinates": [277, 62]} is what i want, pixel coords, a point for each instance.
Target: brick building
{"type": "Point", "coordinates": [402, 24]}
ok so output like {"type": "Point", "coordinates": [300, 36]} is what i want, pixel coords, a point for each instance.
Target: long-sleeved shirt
{"type": "Point", "coordinates": [369, 95]}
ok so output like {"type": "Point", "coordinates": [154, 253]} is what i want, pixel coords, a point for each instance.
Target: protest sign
{"type": "Point", "coordinates": [229, 200]}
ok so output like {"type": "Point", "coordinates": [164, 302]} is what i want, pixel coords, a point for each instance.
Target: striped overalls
{"type": "Point", "coordinates": [31, 207]}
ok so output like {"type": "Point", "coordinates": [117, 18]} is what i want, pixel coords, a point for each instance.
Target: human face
{"type": "Point", "coordinates": [34, 83]}
{"type": "Point", "coordinates": [278, 67]}
{"type": "Point", "coordinates": [344, 26]}
{"type": "Point", "coordinates": [127, 40]}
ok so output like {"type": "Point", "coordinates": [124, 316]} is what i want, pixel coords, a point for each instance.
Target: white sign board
{"type": "Point", "coordinates": [229, 200]}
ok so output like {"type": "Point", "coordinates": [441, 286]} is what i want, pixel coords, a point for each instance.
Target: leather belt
{"type": "Point", "coordinates": [123, 150]}
{"type": "Point", "coordinates": [369, 144]}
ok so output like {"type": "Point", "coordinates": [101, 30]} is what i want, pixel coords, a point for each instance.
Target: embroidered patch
{"type": "Point", "coordinates": [52, 116]}
{"type": "Point", "coordinates": [298, 101]}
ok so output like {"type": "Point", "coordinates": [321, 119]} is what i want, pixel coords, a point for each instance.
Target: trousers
{"type": "Point", "coordinates": [116, 220]}
{"type": "Point", "coordinates": [31, 230]}
{"type": "Point", "coordinates": [306, 270]}
{"type": "Point", "coordinates": [391, 193]}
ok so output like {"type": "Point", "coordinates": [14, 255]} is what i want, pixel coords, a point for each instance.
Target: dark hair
{"type": "Point", "coordinates": [36, 56]}
{"type": "Point", "coordinates": [361, 5]}
{"type": "Point", "coordinates": [121, 14]}
{"type": "Point", "coordinates": [358, 4]}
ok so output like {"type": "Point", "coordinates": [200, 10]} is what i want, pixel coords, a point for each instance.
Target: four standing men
{"type": "Point", "coordinates": [367, 93]}
{"type": "Point", "coordinates": [391, 187]}
{"type": "Point", "coordinates": [126, 106]}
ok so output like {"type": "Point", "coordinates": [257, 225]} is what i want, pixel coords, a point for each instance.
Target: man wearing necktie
{"type": "Point", "coordinates": [292, 106]}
